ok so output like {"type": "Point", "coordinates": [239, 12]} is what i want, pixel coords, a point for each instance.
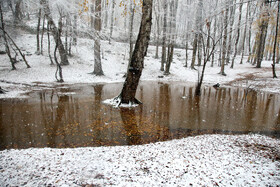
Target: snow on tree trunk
{"type": "Point", "coordinates": [97, 52]}
{"type": "Point", "coordinates": [137, 61]}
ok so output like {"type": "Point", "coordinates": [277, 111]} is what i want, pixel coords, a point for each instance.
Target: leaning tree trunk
{"type": "Point", "coordinates": [54, 31]}
{"type": "Point", "coordinates": [137, 61]}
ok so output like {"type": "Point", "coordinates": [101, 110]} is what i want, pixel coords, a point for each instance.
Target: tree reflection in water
{"type": "Point", "coordinates": [58, 118]}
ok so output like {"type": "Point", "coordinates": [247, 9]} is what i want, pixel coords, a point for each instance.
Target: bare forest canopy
{"type": "Point", "coordinates": [215, 30]}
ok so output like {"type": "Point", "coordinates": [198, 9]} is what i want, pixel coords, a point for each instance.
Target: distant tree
{"type": "Point", "coordinates": [55, 33]}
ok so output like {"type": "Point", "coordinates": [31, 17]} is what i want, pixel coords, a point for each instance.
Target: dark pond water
{"type": "Point", "coordinates": [76, 116]}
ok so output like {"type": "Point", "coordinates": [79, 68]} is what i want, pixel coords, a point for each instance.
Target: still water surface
{"type": "Point", "coordinates": [76, 116]}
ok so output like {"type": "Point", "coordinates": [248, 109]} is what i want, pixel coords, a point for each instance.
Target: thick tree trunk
{"type": "Point", "coordinates": [137, 61]}
{"type": "Point", "coordinates": [262, 34]}
{"type": "Point", "coordinates": [54, 31]}
{"type": "Point", "coordinates": [97, 52]}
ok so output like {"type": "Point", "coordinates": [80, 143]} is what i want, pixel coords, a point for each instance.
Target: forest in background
{"type": "Point", "coordinates": [216, 31]}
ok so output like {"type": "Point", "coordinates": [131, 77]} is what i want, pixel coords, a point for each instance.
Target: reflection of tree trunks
{"type": "Point", "coordinates": [97, 114]}
{"type": "Point", "coordinates": [60, 112]}
{"type": "Point", "coordinates": [250, 110]}
{"type": "Point", "coordinates": [131, 126]}
{"type": "Point", "coordinates": [266, 110]}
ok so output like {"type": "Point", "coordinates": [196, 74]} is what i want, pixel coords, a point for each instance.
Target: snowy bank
{"type": "Point", "coordinates": [211, 160]}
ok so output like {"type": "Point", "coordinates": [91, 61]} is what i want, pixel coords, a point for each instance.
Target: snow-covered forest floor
{"type": "Point", "coordinates": [41, 75]}
{"type": "Point", "coordinates": [210, 160]}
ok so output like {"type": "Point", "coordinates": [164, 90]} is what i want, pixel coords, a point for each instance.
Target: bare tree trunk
{"type": "Point", "coordinates": [231, 8]}
{"type": "Point", "coordinates": [18, 13]}
{"type": "Point", "coordinates": [157, 31]}
{"type": "Point", "coordinates": [225, 40]}
{"type": "Point", "coordinates": [112, 21]}
{"type": "Point", "coordinates": [42, 36]}
{"type": "Point", "coordinates": [238, 34]}
{"type": "Point", "coordinates": [275, 43]}
{"type": "Point", "coordinates": [173, 11]}
{"type": "Point", "coordinates": [187, 48]}
{"type": "Point", "coordinates": [163, 57]}
{"type": "Point", "coordinates": [13, 61]}
{"type": "Point", "coordinates": [59, 69]}
{"type": "Point", "coordinates": [97, 52]}
{"type": "Point", "coordinates": [131, 29]}
{"type": "Point", "coordinates": [214, 38]}
{"type": "Point", "coordinates": [75, 33]}
{"type": "Point", "coordinates": [244, 34]}
{"type": "Point", "coordinates": [194, 50]}
{"type": "Point", "coordinates": [54, 30]}
{"type": "Point", "coordinates": [262, 33]}
{"type": "Point", "coordinates": [197, 38]}
{"type": "Point", "coordinates": [137, 61]}
{"type": "Point", "coordinates": [49, 43]}
{"type": "Point", "coordinates": [38, 32]}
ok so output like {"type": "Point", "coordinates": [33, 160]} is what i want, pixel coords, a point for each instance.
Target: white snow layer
{"type": "Point", "coordinates": [207, 160]}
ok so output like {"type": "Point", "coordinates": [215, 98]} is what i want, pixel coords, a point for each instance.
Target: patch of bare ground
{"type": "Point", "coordinates": [258, 80]}
{"type": "Point", "coordinates": [272, 153]}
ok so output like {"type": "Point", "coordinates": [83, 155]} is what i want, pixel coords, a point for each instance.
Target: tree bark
{"type": "Point", "coordinates": [137, 61]}
{"type": "Point", "coordinates": [262, 34]}
{"type": "Point", "coordinates": [38, 32]}
{"type": "Point", "coordinates": [275, 43]}
{"type": "Point", "coordinates": [97, 52]}
{"type": "Point", "coordinates": [225, 41]}
{"type": "Point", "coordinates": [112, 21]}
{"type": "Point", "coordinates": [132, 9]}
{"type": "Point", "coordinates": [238, 34]}
{"type": "Point", "coordinates": [163, 55]}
